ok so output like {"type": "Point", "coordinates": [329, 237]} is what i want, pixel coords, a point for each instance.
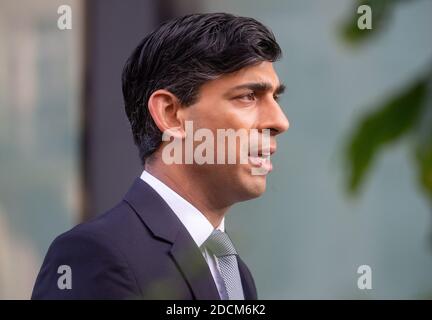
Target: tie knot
{"type": "Point", "coordinates": [220, 244]}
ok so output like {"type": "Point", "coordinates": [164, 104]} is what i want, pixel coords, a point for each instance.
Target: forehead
{"type": "Point", "coordinates": [262, 72]}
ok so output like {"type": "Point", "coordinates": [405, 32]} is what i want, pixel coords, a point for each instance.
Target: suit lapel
{"type": "Point", "coordinates": [248, 283]}
{"type": "Point", "coordinates": [164, 224]}
{"type": "Point", "coordinates": [194, 268]}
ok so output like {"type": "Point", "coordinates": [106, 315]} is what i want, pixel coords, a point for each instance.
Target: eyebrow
{"type": "Point", "coordinates": [259, 87]}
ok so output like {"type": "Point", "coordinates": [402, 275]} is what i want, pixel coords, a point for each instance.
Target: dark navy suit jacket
{"type": "Point", "coordinates": [137, 250]}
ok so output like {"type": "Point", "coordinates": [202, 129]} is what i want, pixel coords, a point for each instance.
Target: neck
{"type": "Point", "coordinates": [190, 188]}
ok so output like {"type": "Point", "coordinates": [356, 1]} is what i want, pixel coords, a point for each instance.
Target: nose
{"type": "Point", "coordinates": [274, 118]}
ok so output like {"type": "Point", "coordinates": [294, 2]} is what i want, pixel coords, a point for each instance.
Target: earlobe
{"type": "Point", "coordinates": [163, 107]}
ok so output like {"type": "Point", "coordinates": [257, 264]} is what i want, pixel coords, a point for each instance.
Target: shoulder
{"type": "Point", "coordinates": [94, 255]}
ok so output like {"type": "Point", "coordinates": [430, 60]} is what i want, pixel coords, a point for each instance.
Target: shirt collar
{"type": "Point", "coordinates": [195, 222]}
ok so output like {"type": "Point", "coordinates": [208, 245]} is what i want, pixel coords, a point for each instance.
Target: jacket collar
{"type": "Point", "coordinates": [249, 289]}
{"type": "Point", "coordinates": [164, 225]}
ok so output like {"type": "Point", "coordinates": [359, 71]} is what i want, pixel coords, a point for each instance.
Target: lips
{"type": "Point", "coordinates": [261, 162]}
{"type": "Point", "coordinates": [262, 159]}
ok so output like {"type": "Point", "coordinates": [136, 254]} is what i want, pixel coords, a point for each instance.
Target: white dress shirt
{"type": "Point", "coordinates": [195, 222]}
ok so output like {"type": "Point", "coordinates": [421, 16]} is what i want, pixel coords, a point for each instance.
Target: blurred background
{"type": "Point", "coordinates": [353, 178]}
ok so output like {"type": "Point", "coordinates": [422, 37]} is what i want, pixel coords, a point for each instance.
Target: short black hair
{"type": "Point", "coordinates": [180, 56]}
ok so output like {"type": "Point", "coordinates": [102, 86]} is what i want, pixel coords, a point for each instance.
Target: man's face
{"type": "Point", "coordinates": [246, 100]}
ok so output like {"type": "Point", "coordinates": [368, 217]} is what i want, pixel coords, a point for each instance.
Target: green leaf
{"type": "Point", "coordinates": [387, 124]}
{"type": "Point", "coordinates": [423, 150]}
{"type": "Point", "coordinates": [424, 160]}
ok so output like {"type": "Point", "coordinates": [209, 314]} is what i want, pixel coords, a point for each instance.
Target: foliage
{"type": "Point", "coordinates": [406, 113]}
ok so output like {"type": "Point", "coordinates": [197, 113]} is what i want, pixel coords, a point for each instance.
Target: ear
{"type": "Point", "coordinates": [164, 108]}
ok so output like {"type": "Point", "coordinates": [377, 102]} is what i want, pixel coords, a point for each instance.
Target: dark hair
{"type": "Point", "coordinates": [180, 56]}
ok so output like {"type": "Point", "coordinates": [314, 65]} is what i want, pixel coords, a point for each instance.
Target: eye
{"type": "Point", "coordinates": [248, 97]}
{"type": "Point", "coordinates": [276, 97]}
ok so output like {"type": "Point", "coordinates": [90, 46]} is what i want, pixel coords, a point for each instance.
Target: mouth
{"type": "Point", "coordinates": [262, 159]}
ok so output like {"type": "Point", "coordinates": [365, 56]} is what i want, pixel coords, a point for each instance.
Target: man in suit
{"type": "Point", "coordinates": [166, 239]}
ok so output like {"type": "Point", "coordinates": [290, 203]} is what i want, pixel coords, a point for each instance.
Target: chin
{"type": "Point", "coordinates": [252, 186]}
{"type": "Point", "coordinates": [258, 186]}
{"type": "Point", "coordinates": [236, 183]}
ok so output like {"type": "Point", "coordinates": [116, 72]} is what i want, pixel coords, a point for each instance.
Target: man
{"type": "Point", "coordinates": [166, 239]}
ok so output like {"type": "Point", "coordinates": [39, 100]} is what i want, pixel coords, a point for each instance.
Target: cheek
{"type": "Point", "coordinates": [223, 114]}
{"type": "Point", "coordinates": [235, 118]}
{"type": "Point", "coordinates": [244, 119]}
{"type": "Point", "coordinates": [206, 115]}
